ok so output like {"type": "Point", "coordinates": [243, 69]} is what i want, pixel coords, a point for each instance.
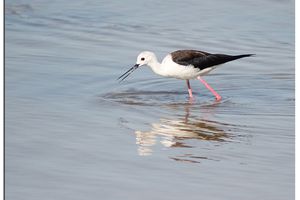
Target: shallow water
{"type": "Point", "coordinates": [73, 132]}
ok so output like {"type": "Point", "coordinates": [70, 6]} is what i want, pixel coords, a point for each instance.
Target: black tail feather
{"type": "Point", "coordinates": [242, 56]}
{"type": "Point", "coordinates": [215, 59]}
{"type": "Point", "coordinates": [223, 58]}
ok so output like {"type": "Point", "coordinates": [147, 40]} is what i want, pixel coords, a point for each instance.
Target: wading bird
{"type": "Point", "coordinates": [185, 65]}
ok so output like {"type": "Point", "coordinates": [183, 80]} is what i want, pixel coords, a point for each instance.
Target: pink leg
{"type": "Point", "coordinates": [218, 97]}
{"type": "Point", "coordinates": [189, 88]}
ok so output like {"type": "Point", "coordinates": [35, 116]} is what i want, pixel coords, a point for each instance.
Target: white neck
{"type": "Point", "coordinates": [156, 66]}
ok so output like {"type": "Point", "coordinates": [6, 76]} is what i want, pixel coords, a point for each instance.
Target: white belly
{"type": "Point", "coordinates": [172, 69]}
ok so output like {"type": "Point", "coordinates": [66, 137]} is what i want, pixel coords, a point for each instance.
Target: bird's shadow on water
{"type": "Point", "coordinates": [186, 120]}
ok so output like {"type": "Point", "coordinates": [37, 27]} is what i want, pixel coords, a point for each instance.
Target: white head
{"type": "Point", "coordinates": [145, 58]}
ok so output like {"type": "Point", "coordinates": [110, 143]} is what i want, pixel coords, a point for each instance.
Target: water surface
{"type": "Point", "coordinates": [73, 132]}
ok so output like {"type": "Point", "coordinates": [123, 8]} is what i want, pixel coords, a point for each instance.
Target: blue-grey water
{"type": "Point", "coordinates": [73, 132]}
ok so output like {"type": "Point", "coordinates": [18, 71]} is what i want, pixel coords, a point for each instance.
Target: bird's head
{"type": "Point", "coordinates": [144, 58]}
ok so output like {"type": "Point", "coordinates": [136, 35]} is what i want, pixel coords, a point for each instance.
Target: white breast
{"type": "Point", "coordinates": [172, 69]}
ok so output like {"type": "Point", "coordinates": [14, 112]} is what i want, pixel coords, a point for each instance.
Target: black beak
{"type": "Point", "coordinates": [126, 74]}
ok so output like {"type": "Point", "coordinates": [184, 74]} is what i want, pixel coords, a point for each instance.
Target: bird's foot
{"type": "Point", "coordinates": [218, 98]}
{"type": "Point", "coordinates": [191, 99]}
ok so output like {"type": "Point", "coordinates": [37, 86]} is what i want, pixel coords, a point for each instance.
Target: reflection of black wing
{"type": "Point", "coordinates": [202, 60]}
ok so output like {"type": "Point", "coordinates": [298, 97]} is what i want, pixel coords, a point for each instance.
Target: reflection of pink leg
{"type": "Point", "coordinates": [218, 97]}
{"type": "Point", "coordinates": [189, 88]}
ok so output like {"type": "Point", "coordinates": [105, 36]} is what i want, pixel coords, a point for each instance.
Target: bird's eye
{"type": "Point", "coordinates": [142, 59]}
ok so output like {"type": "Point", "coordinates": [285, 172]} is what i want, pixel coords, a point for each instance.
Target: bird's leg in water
{"type": "Point", "coordinates": [189, 88]}
{"type": "Point", "coordinates": [218, 97]}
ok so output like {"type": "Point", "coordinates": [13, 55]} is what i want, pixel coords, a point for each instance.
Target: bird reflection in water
{"type": "Point", "coordinates": [176, 131]}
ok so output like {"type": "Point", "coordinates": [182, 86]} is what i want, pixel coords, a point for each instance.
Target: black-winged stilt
{"type": "Point", "coordinates": [184, 64]}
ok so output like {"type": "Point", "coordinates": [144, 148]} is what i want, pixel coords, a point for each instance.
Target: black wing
{"type": "Point", "coordinates": [201, 59]}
